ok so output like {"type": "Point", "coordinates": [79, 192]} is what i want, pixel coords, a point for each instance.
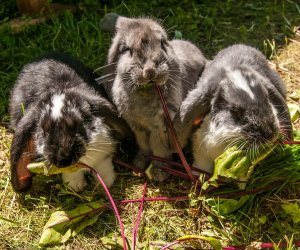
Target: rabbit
{"type": "Point", "coordinates": [143, 57]}
{"type": "Point", "coordinates": [60, 115]}
{"type": "Point", "coordinates": [240, 100]}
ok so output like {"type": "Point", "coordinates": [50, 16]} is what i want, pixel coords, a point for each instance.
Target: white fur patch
{"type": "Point", "coordinates": [99, 155]}
{"type": "Point", "coordinates": [209, 142]}
{"type": "Point", "coordinates": [57, 105]}
{"type": "Point", "coordinates": [76, 180]}
{"type": "Point", "coordinates": [275, 113]}
{"type": "Point", "coordinates": [240, 82]}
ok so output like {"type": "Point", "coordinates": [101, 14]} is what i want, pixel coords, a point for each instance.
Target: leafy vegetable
{"type": "Point", "coordinates": [293, 210]}
{"type": "Point", "coordinates": [294, 109]}
{"type": "Point", "coordinates": [146, 87]}
{"type": "Point", "coordinates": [112, 242]}
{"type": "Point", "coordinates": [63, 225]}
{"type": "Point", "coordinates": [216, 244]}
{"type": "Point", "coordinates": [148, 171]}
{"type": "Point", "coordinates": [236, 165]}
{"type": "Point", "coordinates": [226, 206]}
{"type": "Point", "coordinates": [42, 168]}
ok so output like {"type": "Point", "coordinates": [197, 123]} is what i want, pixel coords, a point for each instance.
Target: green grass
{"type": "Point", "coordinates": [212, 25]}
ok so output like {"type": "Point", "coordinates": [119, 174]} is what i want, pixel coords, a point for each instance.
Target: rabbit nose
{"type": "Point", "coordinates": [149, 73]}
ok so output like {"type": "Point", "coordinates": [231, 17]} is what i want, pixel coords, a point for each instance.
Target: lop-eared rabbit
{"type": "Point", "coordinates": [241, 101]}
{"type": "Point", "coordinates": [142, 57]}
{"type": "Point", "coordinates": [60, 115]}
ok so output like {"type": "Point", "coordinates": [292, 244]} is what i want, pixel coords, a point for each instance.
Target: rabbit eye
{"type": "Point", "coordinates": [238, 112]}
{"type": "Point", "coordinates": [125, 49]}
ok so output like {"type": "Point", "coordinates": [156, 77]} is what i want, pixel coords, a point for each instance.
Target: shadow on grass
{"type": "Point", "coordinates": [212, 25]}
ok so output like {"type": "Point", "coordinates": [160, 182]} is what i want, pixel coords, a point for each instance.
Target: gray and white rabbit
{"type": "Point", "coordinates": [241, 101]}
{"type": "Point", "coordinates": [57, 105]}
{"type": "Point", "coordinates": [143, 56]}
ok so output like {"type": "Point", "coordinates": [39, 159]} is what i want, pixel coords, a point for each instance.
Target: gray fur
{"type": "Point", "coordinates": [242, 101]}
{"type": "Point", "coordinates": [57, 103]}
{"type": "Point", "coordinates": [144, 57]}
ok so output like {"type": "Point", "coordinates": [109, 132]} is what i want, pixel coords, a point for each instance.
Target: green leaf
{"type": "Point", "coordinates": [295, 95]}
{"type": "Point", "coordinates": [216, 244]}
{"type": "Point", "coordinates": [43, 168]}
{"type": "Point", "coordinates": [178, 35]}
{"type": "Point", "coordinates": [292, 209]}
{"type": "Point", "coordinates": [226, 206]}
{"type": "Point", "coordinates": [294, 109]}
{"type": "Point", "coordinates": [112, 242]}
{"type": "Point", "coordinates": [63, 225]}
{"type": "Point", "coordinates": [296, 134]}
{"type": "Point", "coordinates": [234, 165]}
{"type": "Point", "coordinates": [262, 219]}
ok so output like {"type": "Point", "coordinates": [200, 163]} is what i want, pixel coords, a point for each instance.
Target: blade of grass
{"type": "Point", "coordinates": [136, 227]}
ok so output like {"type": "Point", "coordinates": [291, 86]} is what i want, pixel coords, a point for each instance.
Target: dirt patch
{"type": "Point", "coordinates": [288, 64]}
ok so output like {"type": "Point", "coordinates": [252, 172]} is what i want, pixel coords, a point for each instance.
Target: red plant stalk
{"type": "Point", "coordinates": [233, 248]}
{"type": "Point", "coordinates": [126, 165]}
{"type": "Point", "coordinates": [173, 134]}
{"type": "Point", "coordinates": [170, 244]}
{"type": "Point", "coordinates": [136, 227]}
{"type": "Point", "coordinates": [291, 142]}
{"type": "Point", "coordinates": [174, 163]}
{"type": "Point", "coordinates": [272, 245]}
{"type": "Point", "coordinates": [178, 198]}
{"type": "Point", "coordinates": [113, 204]}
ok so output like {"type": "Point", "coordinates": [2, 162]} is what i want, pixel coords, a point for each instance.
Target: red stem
{"type": "Point", "coordinates": [170, 244]}
{"type": "Point", "coordinates": [136, 228]}
{"type": "Point", "coordinates": [291, 142]}
{"type": "Point", "coordinates": [113, 206]}
{"type": "Point", "coordinates": [271, 245]}
{"type": "Point", "coordinates": [178, 198]}
{"type": "Point", "coordinates": [174, 163]}
{"type": "Point", "coordinates": [173, 134]}
{"type": "Point", "coordinates": [251, 191]}
{"type": "Point", "coordinates": [233, 248]}
{"type": "Point", "coordinates": [126, 165]}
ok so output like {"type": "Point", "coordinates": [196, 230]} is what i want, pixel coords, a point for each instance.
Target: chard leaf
{"type": "Point", "coordinates": [294, 109]}
{"type": "Point", "coordinates": [236, 166]}
{"type": "Point", "coordinates": [216, 244]}
{"type": "Point", "coordinates": [63, 225]}
{"type": "Point", "coordinates": [295, 95]}
{"type": "Point", "coordinates": [292, 209]}
{"type": "Point", "coordinates": [226, 206]}
{"type": "Point", "coordinates": [43, 168]}
{"type": "Point", "coordinates": [112, 242]}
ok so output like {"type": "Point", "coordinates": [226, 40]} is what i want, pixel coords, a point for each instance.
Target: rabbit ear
{"type": "Point", "coordinates": [198, 101]}
{"type": "Point", "coordinates": [111, 22]}
{"type": "Point", "coordinates": [282, 109]}
{"type": "Point", "coordinates": [114, 50]}
{"type": "Point", "coordinates": [21, 152]}
{"type": "Point", "coordinates": [108, 112]}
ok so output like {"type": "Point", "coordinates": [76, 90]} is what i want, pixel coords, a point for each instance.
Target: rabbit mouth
{"type": "Point", "coordinates": [146, 86]}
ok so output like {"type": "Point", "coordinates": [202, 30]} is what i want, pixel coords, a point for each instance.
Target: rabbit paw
{"type": "Point", "coordinates": [76, 181]}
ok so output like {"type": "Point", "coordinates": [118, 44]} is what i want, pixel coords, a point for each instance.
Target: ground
{"type": "Point", "coordinates": [270, 26]}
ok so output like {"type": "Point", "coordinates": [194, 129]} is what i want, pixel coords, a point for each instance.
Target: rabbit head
{"type": "Point", "coordinates": [68, 122]}
{"type": "Point", "coordinates": [241, 108]}
{"type": "Point", "coordinates": [142, 52]}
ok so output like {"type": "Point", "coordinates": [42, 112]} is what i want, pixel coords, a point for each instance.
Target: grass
{"type": "Point", "coordinates": [212, 25]}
